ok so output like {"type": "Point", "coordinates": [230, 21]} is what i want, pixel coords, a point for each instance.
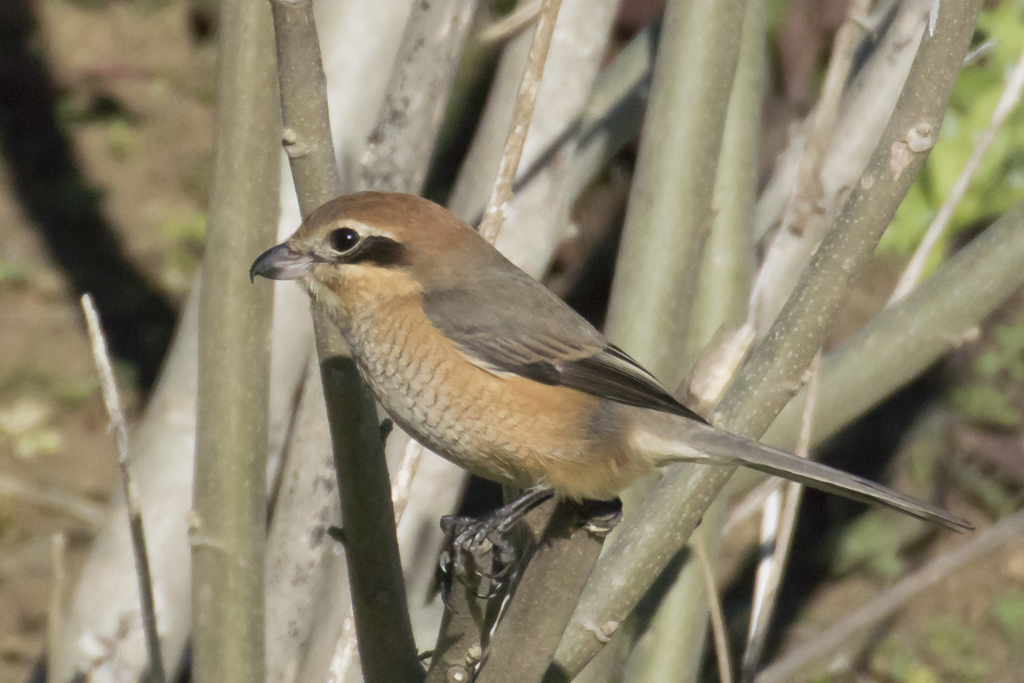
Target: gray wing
{"type": "Point", "coordinates": [511, 323]}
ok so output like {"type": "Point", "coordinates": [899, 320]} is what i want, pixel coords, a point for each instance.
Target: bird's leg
{"type": "Point", "coordinates": [477, 538]}
{"type": "Point", "coordinates": [599, 517]}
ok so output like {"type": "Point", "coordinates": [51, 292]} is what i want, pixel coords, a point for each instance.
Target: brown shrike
{"type": "Point", "coordinates": [483, 365]}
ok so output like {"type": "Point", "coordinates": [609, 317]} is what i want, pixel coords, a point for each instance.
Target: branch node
{"type": "Point", "coordinates": [921, 137]}
{"type": "Point", "coordinates": [457, 674]}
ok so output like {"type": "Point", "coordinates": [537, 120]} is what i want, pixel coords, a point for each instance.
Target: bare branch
{"type": "Point", "coordinates": [673, 646]}
{"type": "Point", "coordinates": [892, 599]}
{"type": "Point", "coordinates": [670, 212]}
{"type": "Point", "coordinates": [940, 311]}
{"type": "Point", "coordinates": [501, 193]}
{"type": "Point", "coordinates": [306, 136]}
{"type": "Point", "coordinates": [387, 648]}
{"type": "Point", "coordinates": [66, 503]}
{"type": "Point", "coordinates": [537, 220]}
{"type": "Point", "coordinates": [809, 196]}
{"type": "Point", "coordinates": [528, 634]}
{"type": "Point", "coordinates": [116, 414]}
{"type": "Point", "coordinates": [398, 153]}
{"type": "Point", "coordinates": [866, 110]}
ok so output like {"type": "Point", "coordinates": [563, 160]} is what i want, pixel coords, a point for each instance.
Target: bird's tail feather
{"type": "Point", "coordinates": [669, 438]}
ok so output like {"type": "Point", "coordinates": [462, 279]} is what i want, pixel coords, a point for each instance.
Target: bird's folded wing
{"type": "Point", "coordinates": [509, 323]}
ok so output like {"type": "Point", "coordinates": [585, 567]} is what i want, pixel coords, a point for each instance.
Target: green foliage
{"type": "Point", "coordinates": [952, 644]}
{"type": "Point", "coordinates": [872, 542]}
{"type": "Point", "coordinates": [1008, 612]}
{"type": "Point", "coordinates": [897, 660]}
{"type": "Point", "coordinates": [999, 182]}
{"type": "Point", "coordinates": [994, 393]}
{"type": "Point", "coordinates": [987, 404]}
{"type": "Point", "coordinates": [187, 230]}
{"type": "Point", "coordinates": [120, 139]}
{"type": "Point", "coordinates": [13, 275]}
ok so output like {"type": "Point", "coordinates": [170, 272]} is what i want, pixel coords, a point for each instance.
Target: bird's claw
{"type": "Point", "coordinates": [487, 545]}
{"type": "Point", "coordinates": [477, 549]}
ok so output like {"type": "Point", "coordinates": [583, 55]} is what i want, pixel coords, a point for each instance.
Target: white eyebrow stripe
{"type": "Point", "coordinates": [366, 230]}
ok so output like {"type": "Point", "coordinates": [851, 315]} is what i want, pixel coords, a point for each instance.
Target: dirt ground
{"type": "Point", "coordinates": [123, 126]}
{"type": "Point", "coordinates": [103, 186]}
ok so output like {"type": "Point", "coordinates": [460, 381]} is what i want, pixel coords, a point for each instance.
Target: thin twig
{"type": "Point", "coordinates": [779, 537]}
{"type": "Point", "coordinates": [55, 613]}
{"type": "Point", "coordinates": [501, 193]}
{"type": "Point", "coordinates": [69, 504]}
{"type": "Point", "coordinates": [808, 192]}
{"type": "Point", "coordinates": [511, 25]}
{"type": "Point", "coordinates": [403, 478]}
{"type": "Point", "coordinates": [892, 599]}
{"type": "Point", "coordinates": [808, 197]}
{"type": "Point", "coordinates": [1007, 103]}
{"type": "Point", "coordinates": [112, 401]}
{"type": "Point", "coordinates": [751, 504]}
{"type": "Point", "coordinates": [717, 616]}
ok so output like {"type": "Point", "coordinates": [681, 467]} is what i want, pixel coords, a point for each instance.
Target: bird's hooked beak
{"type": "Point", "coordinates": [281, 263]}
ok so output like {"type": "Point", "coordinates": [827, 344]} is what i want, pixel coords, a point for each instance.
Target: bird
{"type": "Point", "coordinates": [483, 365]}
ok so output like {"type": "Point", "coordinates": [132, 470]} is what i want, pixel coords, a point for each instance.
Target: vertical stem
{"type": "Point", "coordinates": [228, 521]}
{"type": "Point", "coordinates": [670, 213]}
{"type": "Point", "coordinates": [307, 127]}
{"type": "Point", "coordinates": [386, 646]}
{"type": "Point", "coordinates": [673, 645]}
{"type": "Point", "coordinates": [727, 269]}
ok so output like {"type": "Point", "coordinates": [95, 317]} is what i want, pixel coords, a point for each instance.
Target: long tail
{"type": "Point", "coordinates": [667, 438]}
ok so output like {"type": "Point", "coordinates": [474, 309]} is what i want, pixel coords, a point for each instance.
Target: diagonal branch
{"type": "Point", "coordinates": [648, 539]}
{"type": "Point", "coordinates": [501, 193]}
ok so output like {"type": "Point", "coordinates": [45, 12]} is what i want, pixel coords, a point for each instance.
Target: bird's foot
{"type": "Point", "coordinates": [482, 552]}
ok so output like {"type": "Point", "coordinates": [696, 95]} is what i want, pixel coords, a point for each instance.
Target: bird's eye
{"type": "Point", "coordinates": [343, 239]}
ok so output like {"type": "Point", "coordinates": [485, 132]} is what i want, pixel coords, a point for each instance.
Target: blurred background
{"type": "Point", "coordinates": [106, 111]}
